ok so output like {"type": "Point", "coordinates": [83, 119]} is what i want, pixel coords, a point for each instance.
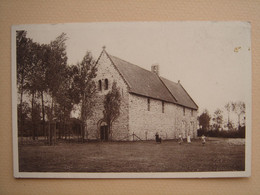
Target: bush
{"type": "Point", "coordinates": [240, 133]}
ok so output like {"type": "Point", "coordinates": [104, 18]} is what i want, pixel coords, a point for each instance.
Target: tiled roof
{"type": "Point", "coordinates": [145, 83]}
{"type": "Point", "coordinates": [179, 93]}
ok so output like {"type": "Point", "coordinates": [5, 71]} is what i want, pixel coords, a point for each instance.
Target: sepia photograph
{"type": "Point", "coordinates": [132, 100]}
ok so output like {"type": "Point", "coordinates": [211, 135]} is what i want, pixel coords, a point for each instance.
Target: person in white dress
{"type": "Point", "coordinates": [188, 139]}
{"type": "Point", "coordinates": [180, 139]}
{"type": "Point", "coordinates": [203, 139]}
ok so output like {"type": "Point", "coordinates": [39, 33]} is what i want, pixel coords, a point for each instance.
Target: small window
{"type": "Point", "coordinates": [100, 85]}
{"type": "Point", "coordinates": [106, 84]}
{"type": "Point", "coordinates": [191, 112]}
{"type": "Point", "coordinates": [183, 111]}
{"type": "Point", "coordinates": [162, 106]}
{"type": "Point", "coordinates": [148, 104]}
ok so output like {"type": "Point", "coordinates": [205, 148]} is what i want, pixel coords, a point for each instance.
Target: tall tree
{"type": "Point", "coordinates": [23, 62]}
{"type": "Point", "coordinates": [239, 108]}
{"type": "Point", "coordinates": [56, 65]}
{"type": "Point", "coordinates": [85, 88]}
{"type": "Point", "coordinates": [24, 111]}
{"type": "Point", "coordinates": [66, 97]}
{"type": "Point", "coordinates": [33, 82]}
{"type": "Point", "coordinates": [204, 120]}
{"type": "Point", "coordinates": [37, 78]}
{"type": "Point", "coordinates": [112, 104]}
{"type": "Point", "coordinates": [228, 107]}
{"type": "Point", "coordinates": [217, 118]}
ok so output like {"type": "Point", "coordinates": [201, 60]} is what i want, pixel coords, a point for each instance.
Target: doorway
{"type": "Point", "coordinates": [104, 133]}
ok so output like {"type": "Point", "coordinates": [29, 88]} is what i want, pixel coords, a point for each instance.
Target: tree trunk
{"type": "Point", "coordinates": [82, 132]}
{"type": "Point", "coordinates": [49, 133]}
{"type": "Point", "coordinates": [32, 115]}
{"type": "Point", "coordinates": [65, 130]}
{"type": "Point", "coordinates": [238, 121]}
{"type": "Point", "coordinates": [20, 128]}
{"type": "Point", "coordinates": [51, 123]}
{"type": "Point", "coordinates": [59, 129]}
{"type": "Point", "coordinates": [43, 116]}
{"type": "Point", "coordinates": [54, 131]}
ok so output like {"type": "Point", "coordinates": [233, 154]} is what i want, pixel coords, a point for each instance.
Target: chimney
{"type": "Point", "coordinates": [155, 69]}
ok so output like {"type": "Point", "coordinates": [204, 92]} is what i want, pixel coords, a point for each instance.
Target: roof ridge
{"type": "Point", "coordinates": [189, 95]}
{"type": "Point", "coordinates": [131, 64]}
{"type": "Point", "coordinates": [169, 80]}
{"type": "Point", "coordinates": [179, 84]}
{"type": "Point", "coordinates": [167, 88]}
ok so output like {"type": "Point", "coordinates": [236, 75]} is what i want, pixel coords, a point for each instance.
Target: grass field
{"type": "Point", "coordinates": [218, 154]}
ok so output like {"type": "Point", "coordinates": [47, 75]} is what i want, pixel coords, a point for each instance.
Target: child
{"type": "Point", "coordinates": [203, 138]}
{"type": "Point", "coordinates": [157, 138]}
{"type": "Point", "coordinates": [188, 139]}
{"type": "Point", "coordinates": [180, 139]}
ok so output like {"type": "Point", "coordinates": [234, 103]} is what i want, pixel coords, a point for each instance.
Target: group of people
{"type": "Point", "coordinates": [180, 140]}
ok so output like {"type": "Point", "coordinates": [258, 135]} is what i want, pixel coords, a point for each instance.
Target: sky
{"type": "Point", "coordinates": [212, 60]}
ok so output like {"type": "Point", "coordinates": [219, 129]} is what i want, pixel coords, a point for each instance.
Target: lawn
{"type": "Point", "coordinates": [218, 154]}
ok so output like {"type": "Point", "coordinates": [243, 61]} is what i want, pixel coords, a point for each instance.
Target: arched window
{"type": "Point", "coordinates": [100, 85]}
{"type": "Point", "coordinates": [106, 84]}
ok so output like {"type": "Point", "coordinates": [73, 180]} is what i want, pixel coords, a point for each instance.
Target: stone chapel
{"type": "Point", "coordinates": [150, 104]}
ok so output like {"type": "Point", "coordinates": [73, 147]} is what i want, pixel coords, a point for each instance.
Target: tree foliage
{"type": "Point", "coordinates": [23, 58]}
{"type": "Point", "coordinates": [84, 88]}
{"type": "Point", "coordinates": [217, 119]}
{"type": "Point", "coordinates": [239, 108]}
{"type": "Point", "coordinates": [41, 70]}
{"type": "Point", "coordinates": [112, 104]}
{"type": "Point", "coordinates": [23, 65]}
{"type": "Point", "coordinates": [228, 107]}
{"type": "Point", "coordinates": [204, 120]}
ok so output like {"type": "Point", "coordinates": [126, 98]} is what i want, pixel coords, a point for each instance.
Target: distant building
{"type": "Point", "coordinates": [150, 103]}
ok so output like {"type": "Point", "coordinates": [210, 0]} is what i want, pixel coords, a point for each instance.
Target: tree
{"type": "Point", "coordinates": [39, 77]}
{"type": "Point", "coordinates": [239, 108]}
{"type": "Point", "coordinates": [51, 62]}
{"type": "Point", "coordinates": [204, 120]}
{"type": "Point", "coordinates": [35, 119]}
{"type": "Point", "coordinates": [23, 62]}
{"type": "Point", "coordinates": [33, 83]}
{"type": "Point", "coordinates": [218, 119]}
{"type": "Point", "coordinates": [85, 88]}
{"type": "Point", "coordinates": [66, 97]}
{"type": "Point", "coordinates": [112, 104]}
{"type": "Point", "coordinates": [41, 69]}
{"type": "Point", "coordinates": [23, 116]}
{"type": "Point", "coordinates": [228, 107]}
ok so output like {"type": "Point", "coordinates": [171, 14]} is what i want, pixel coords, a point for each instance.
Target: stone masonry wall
{"type": "Point", "coordinates": [134, 115]}
{"type": "Point", "coordinates": [145, 124]}
{"type": "Point", "coordinates": [186, 123]}
{"type": "Point", "coordinates": [120, 127]}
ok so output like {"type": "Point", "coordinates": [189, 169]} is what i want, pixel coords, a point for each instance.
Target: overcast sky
{"type": "Point", "coordinates": [211, 59]}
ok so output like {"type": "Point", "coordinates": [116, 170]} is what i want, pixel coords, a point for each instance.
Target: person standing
{"type": "Point", "coordinates": [180, 139]}
{"type": "Point", "coordinates": [188, 139]}
{"type": "Point", "coordinates": [203, 139]}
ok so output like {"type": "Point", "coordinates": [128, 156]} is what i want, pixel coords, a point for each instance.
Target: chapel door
{"type": "Point", "coordinates": [104, 133]}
